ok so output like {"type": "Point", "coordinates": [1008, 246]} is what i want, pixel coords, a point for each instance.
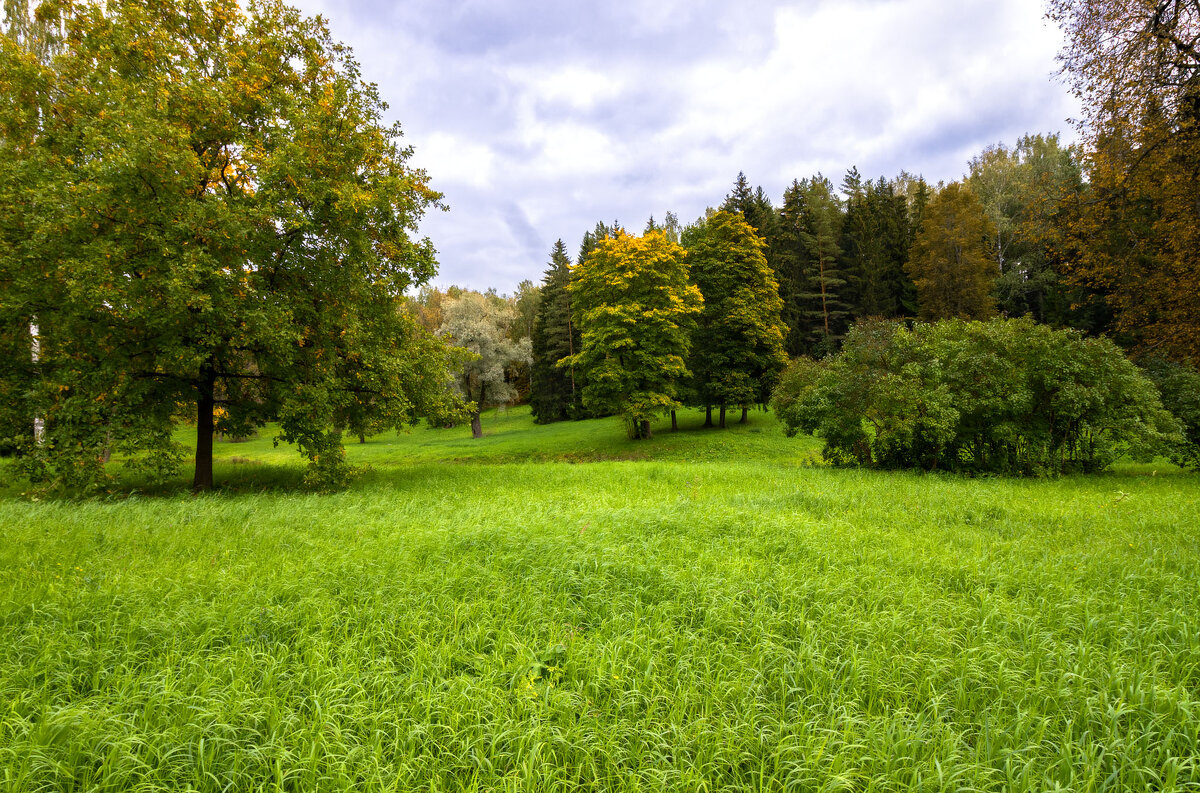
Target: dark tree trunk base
{"type": "Point", "coordinates": [674, 422]}
{"type": "Point", "coordinates": [722, 420]}
{"type": "Point", "coordinates": [205, 403]}
{"type": "Point", "coordinates": [708, 415]}
{"type": "Point", "coordinates": [745, 416]}
{"type": "Point", "coordinates": [476, 426]}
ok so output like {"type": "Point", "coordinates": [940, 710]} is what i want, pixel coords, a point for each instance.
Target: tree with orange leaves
{"type": "Point", "coordinates": [1135, 64]}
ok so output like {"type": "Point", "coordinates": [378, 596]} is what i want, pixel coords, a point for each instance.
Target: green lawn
{"type": "Point", "coordinates": [558, 608]}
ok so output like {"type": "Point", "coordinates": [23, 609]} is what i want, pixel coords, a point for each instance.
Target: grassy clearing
{"type": "Point", "coordinates": [720, 617]}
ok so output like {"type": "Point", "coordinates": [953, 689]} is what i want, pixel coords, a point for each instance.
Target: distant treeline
{"type": "Point", "coordinates": [890, 248]}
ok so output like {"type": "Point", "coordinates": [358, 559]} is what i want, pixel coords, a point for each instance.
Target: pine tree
{"type": "Point", "coordinates": [852, 184]}
{"type": "Point", "coordinates": [556, 393]}
{"type": "Point", "coordinates": [792, 267]}
{"type": "Point", "coordinates": [737, 348]}
{"type": "Point", "coordinates": [808, 262]}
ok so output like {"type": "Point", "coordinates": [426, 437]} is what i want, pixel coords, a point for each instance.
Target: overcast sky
{"type": "Point", "coordinates": [537, 118]}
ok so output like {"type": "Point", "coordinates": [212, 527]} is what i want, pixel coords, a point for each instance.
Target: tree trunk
{"type": "Point", "coordinates": [674, 422]}
{"type": "Point", "coordinates": [362, 438]}
{"type": "Point", "coordinates": [722, 417]}
{"type": "Point", "coordinates": [476, 426]}
{"type": "Point", "coordinates": [571, 351]}
{"type": "Point", "coordinates": [646, 431]}
{"type": "Point", "coordinates": [824, 302]}
{"type": "Point", "coordinates": [745, 416]}
{"type": "Point", "coordinates": [205, 403]}
{"type": "Point", "coordinates": [35, 348]}
{"type": "Point", "coordinates": [708, 415]}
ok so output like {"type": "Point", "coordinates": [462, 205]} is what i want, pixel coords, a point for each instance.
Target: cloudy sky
{"type": "Point", "coordinates": [537, 118]}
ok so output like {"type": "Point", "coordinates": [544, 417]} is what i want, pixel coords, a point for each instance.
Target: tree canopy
{"type": "Point", "coordinates": [1004, 396]}
{"type": "Point", "coordinates": [1135, 65]}
{"type": "Point", "coordinates": [636, 310]}
{"type": "Point", "coordinates": [950, 262]}
{"type": "Point", "coordinates": [481, 325]}
{"type": "Point", "coordinates": [202, 203]}
{"type": "Point", "coordinates": [737, 348]}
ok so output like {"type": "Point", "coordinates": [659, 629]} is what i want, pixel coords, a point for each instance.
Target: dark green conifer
{"type": "Point", "coordinates": [555, 393]}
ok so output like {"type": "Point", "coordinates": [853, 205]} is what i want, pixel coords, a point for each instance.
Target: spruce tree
{"type": "Point", "coordinates": [593, 238]}
{"type": "Point", "coordinates": [875, 242]}
{"type": "Point", "coordinates": [792, 267]}
{"type": "Point", "coordinates": [821, 297]}
{"type": "Point", "coordinates": [555, 392]}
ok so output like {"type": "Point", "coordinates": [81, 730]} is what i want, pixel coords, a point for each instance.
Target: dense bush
{"type": "Point", "coordinates": [1006, 396]}
{"type": "Point", "coordinates": [1179, 388]}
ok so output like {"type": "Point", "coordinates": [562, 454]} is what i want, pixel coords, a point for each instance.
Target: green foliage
{"type": "Point", "coordinates": [1004, 396]}
{"type": "Point", "coordinates": [1026, 192]}
{"type": "Point", "coordinates": [737, 347]}
{"type": "Point", "coordinates": [592, 238]}
{"type": "Point", "coordinates": [481, 325]}
{"type": "Point", "coordinates": [733, 623]}
{"type": "Point", "coordinates": [753, 205]}
{"type": "Point", "coordinates": [951, 262]}
{"type": "Point", "coordinates": [788, 400]}
{"type": "Point", "coordinates": [874, 249]}
{"type": "Point", "coordinates": [806, 256]}
{"type": "Point", "coordinates": [1179, 387]}
{"type": "Point", "coordinates": [636, 310]}
{"type": "Point", "coordinates": [200, 204]}
{"type": "Point", "coordinates": [556, 393]}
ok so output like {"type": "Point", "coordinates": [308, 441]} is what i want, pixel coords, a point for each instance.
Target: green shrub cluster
{"type": "Point", "coordinates": [1005, 396]}
{"type": "Point", "coordinates": [1179, 387]}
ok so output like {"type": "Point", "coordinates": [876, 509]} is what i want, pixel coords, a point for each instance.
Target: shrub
{"type": "Point", "coordinates": [1179, 388]}
{"type": "Point", "coordinates": [1006, 396]}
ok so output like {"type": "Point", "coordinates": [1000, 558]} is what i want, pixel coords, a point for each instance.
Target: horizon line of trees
{"type": "Point", "coordinates": [899, 248]}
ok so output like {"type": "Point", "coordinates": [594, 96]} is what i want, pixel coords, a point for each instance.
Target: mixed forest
{"type": "Point", "coordinates": [986, 272]}
{"type": "Point", "coordinates": [232, 244]}
{"type": "Point", "coordinates": [414, 549]}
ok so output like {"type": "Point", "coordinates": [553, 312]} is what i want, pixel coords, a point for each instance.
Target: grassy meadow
{"type": "Point", "coordinates": [558, 608]}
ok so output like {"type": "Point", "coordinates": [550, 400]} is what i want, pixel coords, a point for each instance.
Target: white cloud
{"type": "Point", "coordinates": [576, 86]}
{"type": "Point", "coordinates": [455, 160]}
{"type": "Point", "coordinates": [538, 118]}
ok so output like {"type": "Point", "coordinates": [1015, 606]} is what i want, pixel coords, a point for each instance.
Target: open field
{"type": "Point", "coordinates": [706, 611]}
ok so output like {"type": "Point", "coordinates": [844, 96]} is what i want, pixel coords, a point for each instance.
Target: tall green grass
{"type": "Point", "coordinates": [721, 617]}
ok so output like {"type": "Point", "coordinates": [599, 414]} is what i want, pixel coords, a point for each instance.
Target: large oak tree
{"type": "Point", "coordinates": [201, 203]}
